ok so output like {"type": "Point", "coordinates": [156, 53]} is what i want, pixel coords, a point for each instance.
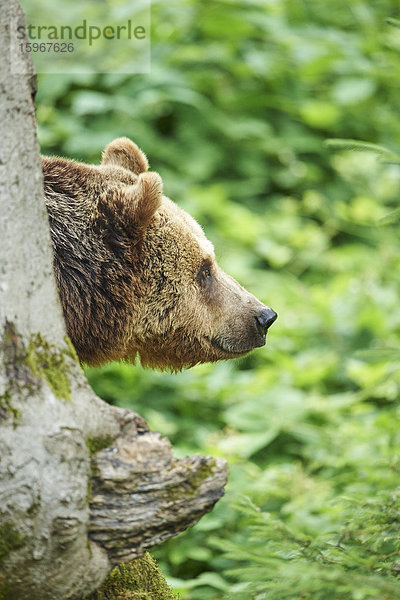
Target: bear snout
{"type": "Point", "coordinates": [264, 320]}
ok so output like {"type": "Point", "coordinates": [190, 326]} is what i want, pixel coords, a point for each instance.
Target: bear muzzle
{"type": "Point", "coordinates": [251, 335]}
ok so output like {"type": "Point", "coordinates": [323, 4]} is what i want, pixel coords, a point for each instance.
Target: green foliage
{"type": "Point", "coordinates": [360, 563]}
{"type": "Point", "coordinates": [234, 115]}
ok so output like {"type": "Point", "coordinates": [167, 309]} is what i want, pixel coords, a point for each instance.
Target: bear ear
{"type": "Point", "coordinates": [144, 198]}
{"type": "Point", "coordinates": [122, 152]}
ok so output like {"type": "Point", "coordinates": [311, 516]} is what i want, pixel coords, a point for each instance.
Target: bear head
{"type": "Point", "coordinates": [136, 274]}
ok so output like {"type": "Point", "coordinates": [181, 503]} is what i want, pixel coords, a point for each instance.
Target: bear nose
{"type": "Point", "coordinates": [265, 319]}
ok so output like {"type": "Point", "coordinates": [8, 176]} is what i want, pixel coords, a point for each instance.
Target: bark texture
{"type": "Point", "coordinates": [83, 485]}
{"type": "Point", "coordinates": [142, 495]}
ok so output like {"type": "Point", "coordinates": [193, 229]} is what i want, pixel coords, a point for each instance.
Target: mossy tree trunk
{"type": "Point", "coordinates": [83, 486]}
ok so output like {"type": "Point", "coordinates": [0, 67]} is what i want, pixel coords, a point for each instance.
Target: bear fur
{"type": "Point", "coordinates": [136, 274]}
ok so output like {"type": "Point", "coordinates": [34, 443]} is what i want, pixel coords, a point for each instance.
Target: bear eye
{"type": "Point", "coordinates": [205, 273]}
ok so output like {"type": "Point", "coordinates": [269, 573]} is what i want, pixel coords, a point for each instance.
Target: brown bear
{"type": "Point", "coordinates": [136, 274]}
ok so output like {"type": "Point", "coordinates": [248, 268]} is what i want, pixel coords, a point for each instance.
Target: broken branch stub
{"type": "Point", "coordinates": [142, 495]}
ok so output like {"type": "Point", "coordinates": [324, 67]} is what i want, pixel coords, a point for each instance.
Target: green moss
{"type": "Point", "coordinates": [7, 407]}
{"type": "Point", "coordinates": [33, 509]}
{"type": "Point", "coordinates": [193, 482]}
{"type": "Point", "coordinates": [49, 363]}
{"type": "Point", "coordinates": [17, 375]}
{"type": "Point", "coordinates": [27, 365]}
{"type": "Point", "coordinates": [95, 444]}
{"type": "Point", "coordinates": [10, 539]}
{"type": "Point", "coordinates": [71, 352]}
{"type": "Point", "coordinates": [89, 494]}
{"type": "Point", "coordinates": [5, 587]}
{"type": "Point", "coordinates": [205, 470]}
{"type": "Point", "coordinates": [140, 579]}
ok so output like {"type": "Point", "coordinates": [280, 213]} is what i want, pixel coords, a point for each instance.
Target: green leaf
{"type": "Point", "coordinates": [377, 354]}
{"type": "Point", "coordinates": [393, 22]}
{"type": "Point", "coordinates": [343, 144]}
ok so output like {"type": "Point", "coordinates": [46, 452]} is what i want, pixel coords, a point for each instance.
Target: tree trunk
{"type": "Point", "coordinates": [83, 486]}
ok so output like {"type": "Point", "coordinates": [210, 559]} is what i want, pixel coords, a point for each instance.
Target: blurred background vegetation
{"type": "Point", "coordinates": [234, 115]}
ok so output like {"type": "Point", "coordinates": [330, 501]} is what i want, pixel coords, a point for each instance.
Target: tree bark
{"type": "Point", "coordinates": [83, 485]}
